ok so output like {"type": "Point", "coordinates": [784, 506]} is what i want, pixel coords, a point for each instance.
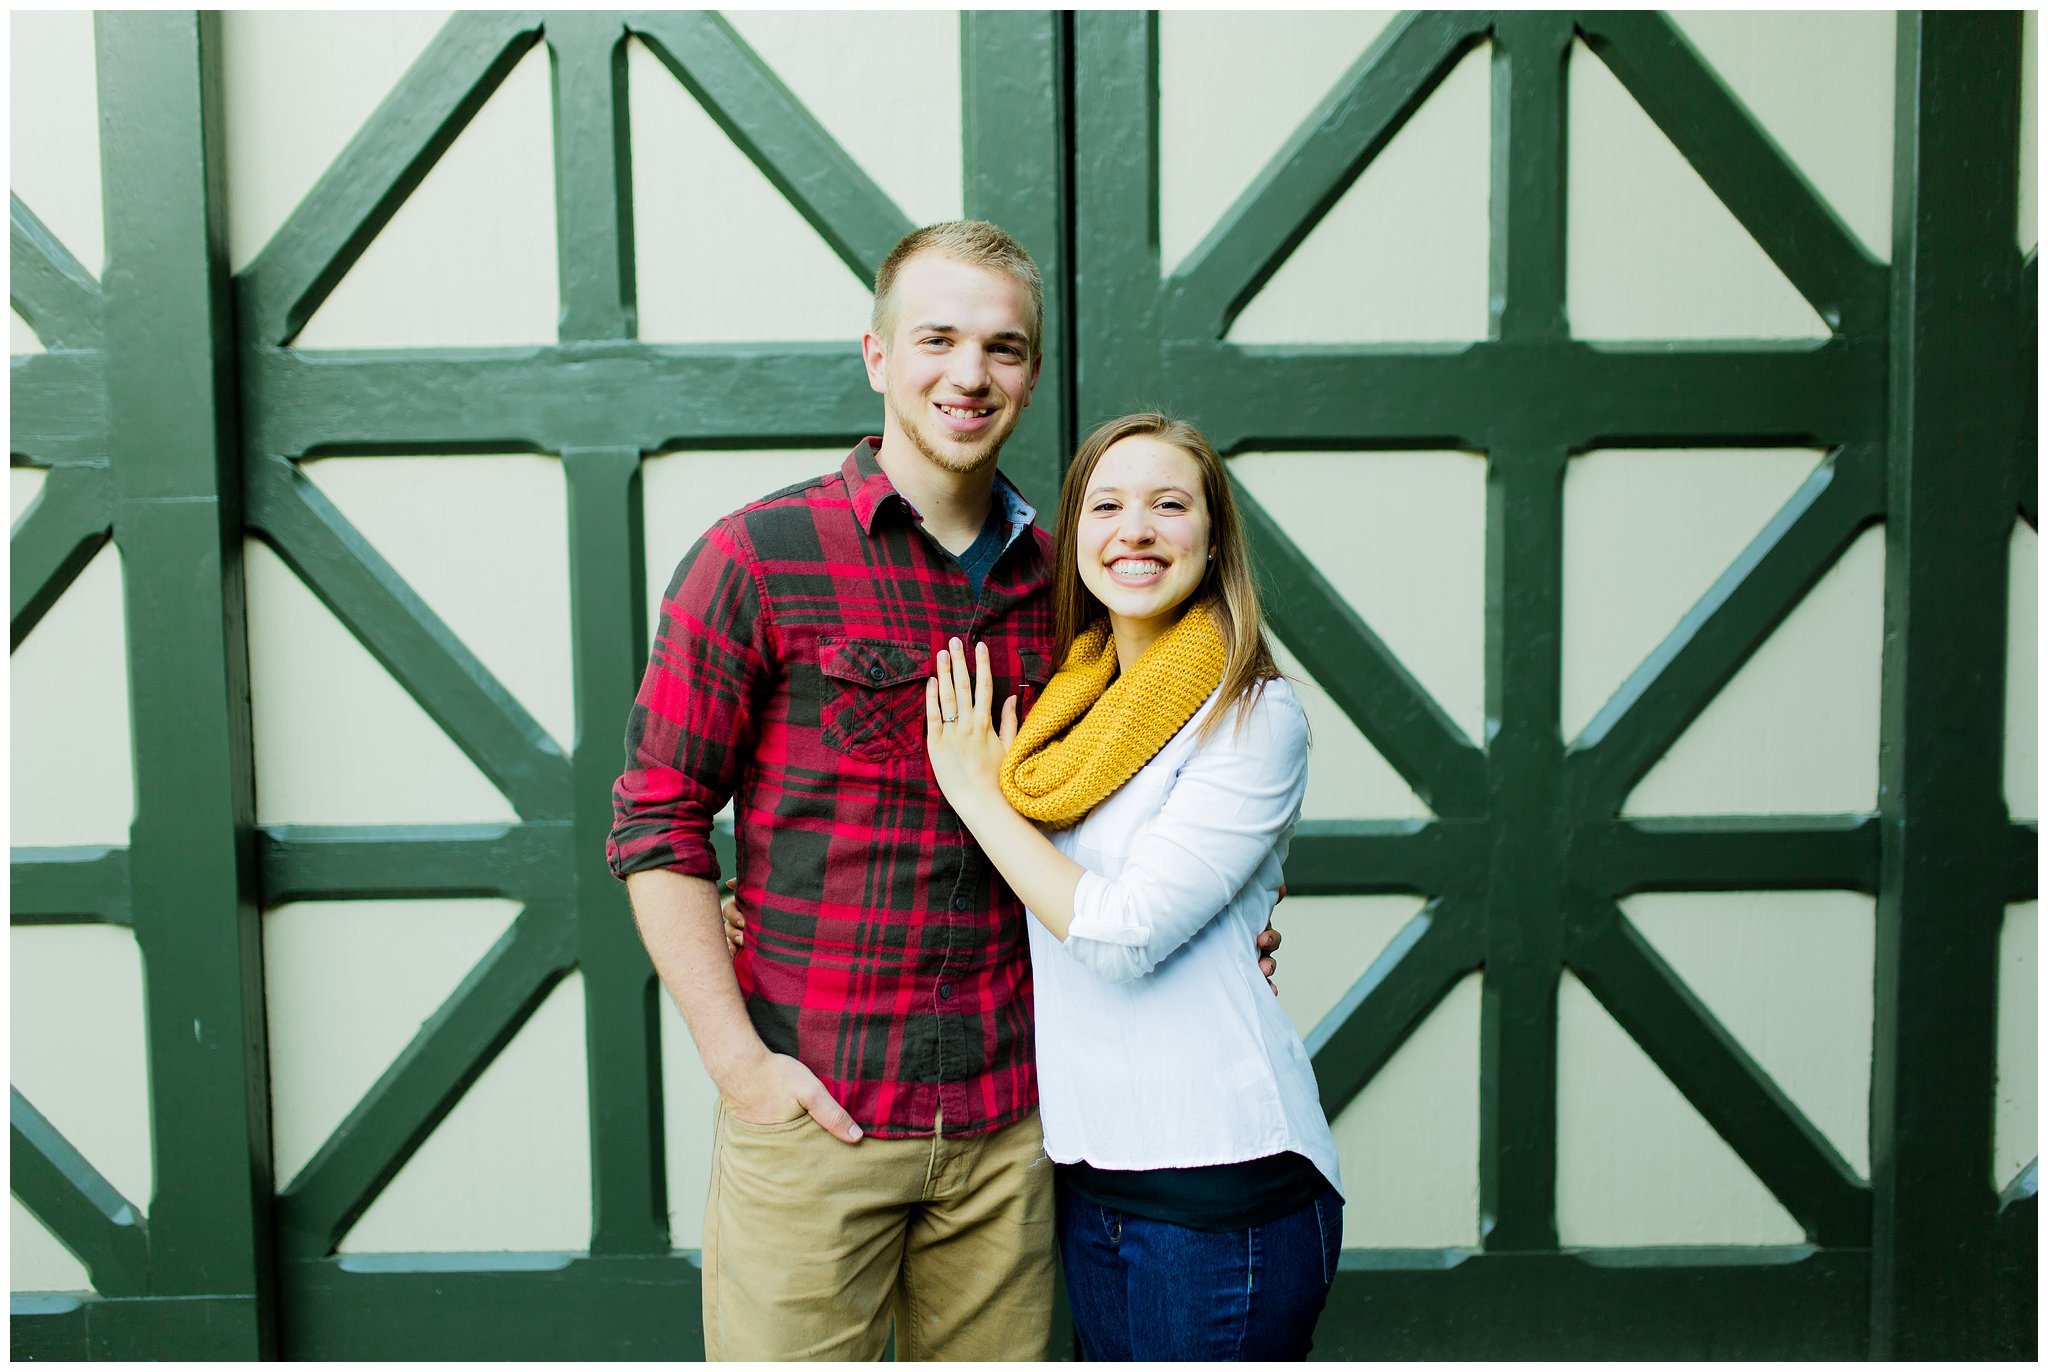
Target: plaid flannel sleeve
{"type": "Point", "coordinates": [693, 722]}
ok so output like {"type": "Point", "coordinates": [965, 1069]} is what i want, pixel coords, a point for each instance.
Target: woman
{"type": "Point", "coordinates": [1141, 814]}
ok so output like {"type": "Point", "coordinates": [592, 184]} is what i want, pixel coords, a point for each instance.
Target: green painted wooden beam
{"type": "Point", "coordinates": [1721, 632]}
{"type": "Point", "coordinates": [171, 414]}
{"type": "Point", "coordinates": [1526, 255]}
{"type": "Point", "coordinates": [1341, 857]}
{"type": "Point", "coordinates": [1391, 998]}
{"type": "Point", "coordinates": [1958, 398]}
{"type": "Point", "coordinates": [1372, 687]}
{"type": "Point", "coordinates": [54, 539]}
{"type": "Point", "coordinates": [415, 1093]}
{"type": "Point", "coordinates": [383, 164]}
{"type": "Point", "coordinates": [59, 409]}
{"type": "Point", "coordinates": [1746, 1108]}
{"type": "Point", "coordinates": [593, 176]}
{"type": "Point", "coordinates": [591, 395]}
{"type": "Point", "coordinates": [1015, 131]}
{"type": "Point", "coordinates": [781, 137]}
{"type": "Point", "coordinates": [1116, 267]}
{"type": "Point", "coordinates": [523, 862]}
{"type": "Point", "coordinates": [1338, 396]}
{"type": "Point", "coordinates": [341, 567]}
{"type": "Point", "coordinates": [49, 289]}
{"type": "Point", "coordinates": [1327, 152]}
{"type": "Point", "coordinates": [1743, 166]}
{"type": "Point", "coordinates": [1726, 853]}
{"type": "Point", "coordinates": [81, 1207]}
{"type": "Point", "coordinates": [2023, 861]}
{"type": "Point", "coordinates": [621, 1005]}
{"type": "Point", "coordinates": [85, 885]}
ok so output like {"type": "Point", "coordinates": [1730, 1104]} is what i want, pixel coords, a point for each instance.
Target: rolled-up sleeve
{"type": "Point", "coordinates": [692, 723]}
{"type": "Point", "coordinates": [1230, 805]}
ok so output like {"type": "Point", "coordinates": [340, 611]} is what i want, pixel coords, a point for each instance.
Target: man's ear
{"type": "Point", "coordinates": [872, 355]}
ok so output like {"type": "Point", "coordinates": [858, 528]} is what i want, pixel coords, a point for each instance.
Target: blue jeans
{"type": "Point", "coordinates": [1148, 1291]}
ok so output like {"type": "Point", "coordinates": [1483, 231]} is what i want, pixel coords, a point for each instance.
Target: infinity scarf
{"type": "Point", "coordinates": [1093, 728]}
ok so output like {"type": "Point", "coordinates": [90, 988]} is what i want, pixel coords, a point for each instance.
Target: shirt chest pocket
{"type": "Point", "coordinates": [873, 705]}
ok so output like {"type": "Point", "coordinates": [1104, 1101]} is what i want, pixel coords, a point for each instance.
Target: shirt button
{"type": "Point", "coordinates": [959, 902]}
{"type": "Point", "coordinates": [945, 990]}
{"type": "Point", "coordinates": [876, 674]}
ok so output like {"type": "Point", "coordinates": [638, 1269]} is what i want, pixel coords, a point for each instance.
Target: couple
{"type": "Point", "coordinates": [831, 658]}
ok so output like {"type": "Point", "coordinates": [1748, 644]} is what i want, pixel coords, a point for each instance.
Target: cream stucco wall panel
{"type": "Point", "coordinates": [1402, 536]}
{"type": "Point", "coordinates": [297, 86]}
{"type": "Point", "coordinates": [2023, 673]}
{"type": "Point", "coordinates": [1788, 973]}
{"type": "Point", "coordinates": [509, 1169]}
{"type": "Point", "coordinates": [469, 259]}
{"type": "Point", "coordinates": [1796, 730]}
{"type": "Point", "coordinates": [337, 739]}
{"type": "Point", "coordinates": [682, 494]}
{"type": "Point", "coordinates": [1330, 941]}
{"type": "Point", "coordinates": [2016, 1118]}
{"type": "Point", "coordinates": [36, 1261]}
{"type": "Point", "coordinates": [688, 1100]}
{"type": "Point", "coordinates": [347, 984]}
{"type": "Point", "coordinates": [1646, 534]}
{"type": "Point", "coordinates": [54, 139]}
{"type": "Point", "coordinates": [1650, 251]}
{"type": "Point", "coordinates": [1402, 256]}
{"type": "Point", "coordinates": [1233, 86]}
{"type": "Point", "coordinates": [1822, 85]}
{"type": "Point", "coordinates": [73, 775]}
{"type": "Point", "coordinates": [1636, 1165]}
{"type": "Point", "coordinates": [24, 484]}
{"type": "Point", "coordinates": [886, 86]}
{"type": "Point", "coordinates": [719, 255]}
{"type": "Point", "coordinates": [79, 1050]}
{"type": "Point", "coordinates": [1409, 1145]}
{"type": "Point", "coordinates": [2029, 229]}
{"type": "Point", "coordinates": [485, 542]}
{"type": "Point", "coordinates": [21, 339]}
{"type": "Point", "coordinates": [1347, 777]}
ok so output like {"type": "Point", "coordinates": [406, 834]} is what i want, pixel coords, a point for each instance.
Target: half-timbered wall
{"type": "Point", "coordinates": [1637, 418]}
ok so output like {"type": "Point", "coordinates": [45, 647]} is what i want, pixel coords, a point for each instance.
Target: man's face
{"type": "Point", "coordinates": [957, 368]}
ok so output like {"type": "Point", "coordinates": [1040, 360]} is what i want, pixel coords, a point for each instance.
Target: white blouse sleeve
{"type": "Point", "coordinates": [1230, 805]}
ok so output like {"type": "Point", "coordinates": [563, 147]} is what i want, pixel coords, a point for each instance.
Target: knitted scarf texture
{"type": "Point", "coordinates": [1093, 727]}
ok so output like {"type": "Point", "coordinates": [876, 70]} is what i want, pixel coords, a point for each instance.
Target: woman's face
{"type": "Point", "coordinates": [1143, 536]}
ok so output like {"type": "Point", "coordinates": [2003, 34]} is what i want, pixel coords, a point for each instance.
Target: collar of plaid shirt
{"type": "Point", "coordinates": [787, 675]}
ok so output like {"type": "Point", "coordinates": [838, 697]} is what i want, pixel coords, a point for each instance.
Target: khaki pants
{"type": "Point", "coordinates": [812, 1245]}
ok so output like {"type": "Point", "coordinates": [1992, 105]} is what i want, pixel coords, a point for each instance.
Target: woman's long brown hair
{"type": "Point", "coordinates": [1248, 664]}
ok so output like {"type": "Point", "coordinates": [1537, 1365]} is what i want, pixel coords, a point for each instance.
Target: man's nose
{"type": "Point", "coordinates": [969, 370]}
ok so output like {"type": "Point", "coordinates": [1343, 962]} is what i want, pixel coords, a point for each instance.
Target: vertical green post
{"type": "Point", "coordinates": [1957, 399]}
{"type": "Point", "coordinates": [1013, 71]}
{"type": "Point", "coordinates": [177, 523]}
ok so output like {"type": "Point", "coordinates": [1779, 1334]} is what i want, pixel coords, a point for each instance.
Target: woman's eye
{"type": "Point", "coordinates": [1171, 505]}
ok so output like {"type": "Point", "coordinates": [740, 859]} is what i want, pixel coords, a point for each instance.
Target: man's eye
{"type": "Point", "coordinates": [935, 342]}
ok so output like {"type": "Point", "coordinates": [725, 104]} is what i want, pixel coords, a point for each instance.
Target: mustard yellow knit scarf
{"type": "Point", "coordinates": [1093, 728]}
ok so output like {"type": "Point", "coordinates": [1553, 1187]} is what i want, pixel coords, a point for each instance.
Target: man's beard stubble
{"type": "Point", "coordinates": [959, 461]}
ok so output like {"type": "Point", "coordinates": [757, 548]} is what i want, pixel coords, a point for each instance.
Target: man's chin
{"type": "Point", "coordinates": [962, 459]}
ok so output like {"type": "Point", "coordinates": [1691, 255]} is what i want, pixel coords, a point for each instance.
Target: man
{"type": "Point", "coordinates": [877, 1149]}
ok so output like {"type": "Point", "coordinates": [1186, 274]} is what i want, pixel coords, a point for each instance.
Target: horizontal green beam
{"type": "Point", "coordinates": [524, 862]}
{"type": "Point", "coordinates": [572, 395]}
{"type": "Point", "coordinates": [84, 885]}
{"type": "Point", "coordinates": [1727, 853]}
{"type": "Point", "coordinates": [60, 533]}
{"type": "Point", "coordinates": [451, 1050]}
{"type": "Point", "coordinates": [777, 132]}
{"type": "Point", "coordinates": [97, 1223]}
{"type": "Point", "coordinates": [48, 286]}
{"type": "Point", "coordinates": [1348, 857]}
{"type": "Point", "coordinates": [1537, 393]}
{"type": "Point", "coordinates": [58, 409]}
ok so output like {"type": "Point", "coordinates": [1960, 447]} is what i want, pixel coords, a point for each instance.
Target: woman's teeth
{"type": "Point", "coordinates": [1136, 570]}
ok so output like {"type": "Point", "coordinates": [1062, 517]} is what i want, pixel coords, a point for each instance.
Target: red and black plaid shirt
{"type": "Point", "coordinates": [788, 674]}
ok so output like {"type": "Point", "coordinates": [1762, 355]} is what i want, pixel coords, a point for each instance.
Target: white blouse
{"type": "Point", "coordinates": [1159, 1044]}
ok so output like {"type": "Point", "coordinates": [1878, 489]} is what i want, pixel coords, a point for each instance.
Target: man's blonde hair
{"type": "Point", "coordinates": [976, 242]}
